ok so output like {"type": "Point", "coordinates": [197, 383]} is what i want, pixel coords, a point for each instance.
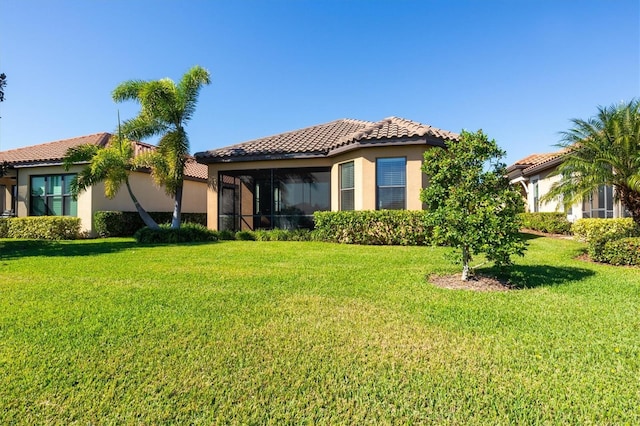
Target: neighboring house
{"type": "Point", "coordinates": [280, 181]}
{"type": "Point", "coordinates": [534, 177]}
{"type": "Point", "coordinates": [34, 183]}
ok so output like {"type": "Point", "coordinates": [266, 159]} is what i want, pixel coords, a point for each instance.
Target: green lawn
{"type": "Point", "coordinates": [109, 332]}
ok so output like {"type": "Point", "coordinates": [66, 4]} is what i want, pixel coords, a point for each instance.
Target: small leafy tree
{"type": "Point", "coordinates": [469, 201]}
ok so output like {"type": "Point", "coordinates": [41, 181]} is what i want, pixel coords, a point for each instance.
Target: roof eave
{"type": "Point", "coordinates": [203, 158]}
{"type": "Point", "coordinates": [543, 166]}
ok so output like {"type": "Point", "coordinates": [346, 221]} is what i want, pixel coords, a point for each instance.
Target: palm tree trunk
{"type": "Point", "coordinates": [146, 218]}
{"type": "Point", "coordinates": [466, 258]}
{"type": "Point", "coordinates": [177, 207]}
{"type": "Point", "coordinates": [631, 201]}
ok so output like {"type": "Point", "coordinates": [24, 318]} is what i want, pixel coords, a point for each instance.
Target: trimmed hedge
{"type": "Point", "coordinates": [283, 235]}
{"type": "Point", "coordinates": [373, 227]}
{"type": "Point", "coordinates": [125, 224]}
{"type": "Point", "coordinates": [41, 227]}
{"type": "Point", "coordinates": [552, 223]}
{"type": "Point", "coordinates": [625, 251]}
{"type": "Point", "coordinates": [187, 233]}
{"type": "Point", "coordinates": [605, 229]}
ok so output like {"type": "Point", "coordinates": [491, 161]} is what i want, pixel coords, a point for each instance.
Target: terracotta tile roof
{"type": "Point", "coordinates": [53, 153]}
{"type": "Point", "coordinates": [50, 152]}
{"type": "Point", "coordinates": [320, 140]}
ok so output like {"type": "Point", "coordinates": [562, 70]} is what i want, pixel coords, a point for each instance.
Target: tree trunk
{"type": "Point", "coordinates": [146, 218]}
{"type": "Point", "coordinates": [177, 208]}
{"type": "Point", "coordinates": [466, 258]}
{"type": "Point", "coordinates": [631, 201]}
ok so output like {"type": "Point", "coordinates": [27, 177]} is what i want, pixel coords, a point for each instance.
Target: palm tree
{"type": "Point", "coordinates": [603, 150]}
{"type": "Point", "coordinates": [166, 107]}
{"type": "Point", "coordinates": [110, 164]}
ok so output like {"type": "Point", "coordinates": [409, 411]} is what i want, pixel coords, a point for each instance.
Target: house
{"type": "Point", "coordinates": [280, 181]}
{"type": "Point", "coordinates": [34, 183]}
{"type": "Point", "coordinates": [534, 176]}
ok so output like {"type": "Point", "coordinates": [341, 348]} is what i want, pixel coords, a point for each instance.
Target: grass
{"type": "Point", "coordinates": [245, 332]}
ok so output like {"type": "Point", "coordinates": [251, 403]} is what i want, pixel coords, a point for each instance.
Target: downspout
{"type": "Point", "coordinates": [14, 194]}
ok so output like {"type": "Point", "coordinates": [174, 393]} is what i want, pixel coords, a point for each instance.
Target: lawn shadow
{"type": "Point", "coordinates": [525, 236]}
{"type": "Point", "coordinates": [533, 276]}
{"type": "Point", "coordinates": [15, 249]}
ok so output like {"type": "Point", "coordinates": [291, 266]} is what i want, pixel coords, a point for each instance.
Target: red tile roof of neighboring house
{"type": "Point", "coordinates": [323, 139]}
{"type": "Point", "coordinates": [537, 162]}
{"type": "Point", "coordinates": [50, 152]}
{"type": "Point", "coordinates": [53, 153]}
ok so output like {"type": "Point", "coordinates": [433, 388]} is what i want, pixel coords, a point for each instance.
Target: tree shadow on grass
{"type": "Point", "coordinates": [15, 249]}
{"type": "Point", "coordinates": [533, 276]}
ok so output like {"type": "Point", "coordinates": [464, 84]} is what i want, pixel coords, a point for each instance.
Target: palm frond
{"type": "Point", "coordinates": [189, 89]}
{"type": "Point", "coordinates": [142, 127]}
{"type": "Point", "coordinates": [159, 99]}
{"type": "Point", "coordinates": [605, 150]}
{"type": "Point", "coordinates": [79, 154]}
{"type": "Point", "coordinates": [128, 91]}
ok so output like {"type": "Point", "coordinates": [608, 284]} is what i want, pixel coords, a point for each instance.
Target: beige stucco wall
{"type": "Point", "coordinates": [24, 179]}
{"type": "Point", "coordinates": [5, 190]}
{"type": "Point", "coordinates": [151, 197]}
{"type": "Point", "coordinates": [364, 175]}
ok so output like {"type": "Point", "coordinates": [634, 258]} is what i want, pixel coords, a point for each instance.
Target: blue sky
{"type": "Point", "coordinates": [518, 69]}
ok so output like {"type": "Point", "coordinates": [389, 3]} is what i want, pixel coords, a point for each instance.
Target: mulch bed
{"type": "Point", "coordinates": [475, 283]}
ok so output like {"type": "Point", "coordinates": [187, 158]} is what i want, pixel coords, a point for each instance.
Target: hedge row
{"type": "Point", "coordinates": [625, 251]}
{"type": "Point", "coordinates": [614, 241]}
{"type": "Point", "coordinates": [187, 233]}
{"type": "Point", "coordinates": [609, 229]}
{"type": "Point", "coordinates": [125, 224]}
{"type": "Point", "coordinates": [373, 227]}
{"type": "Point", "coordinates": [41, 227]}
{"type": "Point", "coordinates": [552, 223]}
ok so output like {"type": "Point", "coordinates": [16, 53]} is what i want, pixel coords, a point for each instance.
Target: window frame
{"type": "Point", "coordinates": [48, 198]}
{"type": "Point", "coordinates": [347, 191]}
{"type": "Point", "coordinates": [404, 186]}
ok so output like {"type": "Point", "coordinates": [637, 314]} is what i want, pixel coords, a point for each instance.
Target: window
{"type": "Point", "coordinates": [536, 196]}
{"type": "Point", "coordinates": [347, 192]}
{"type": "Point", "coordinates": [599, 204]}
{"type": "Point", "coordinates": [391, 181]}
{"type": "Point", "coordinates": [273, 198]}
{"type": "Point", "coordinates": [51, 196]}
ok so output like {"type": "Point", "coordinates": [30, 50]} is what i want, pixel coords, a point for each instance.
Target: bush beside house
{"type": "Point", "coordinates": [41, 227]}
{"type": "Point", "coordinates": [614, 241]}
{"type": "Point", "coordinates": [625, 251]}
{"type": "Point", "coordinates": [548, 222]}
{"type": "Point", "coordinates": [125, 224]}
{"type": "Point", "coordinates": [590, 229]}
{"type": "Point", "coordinates": [373, 227]}
{"type": "Point", "coordinates": [187, 233]}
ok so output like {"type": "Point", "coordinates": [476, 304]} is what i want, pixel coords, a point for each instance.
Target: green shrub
{"type": "Point", "coordinates": [125, 224]}
{"type": "Point", "coordinates": [4, 228]}
{"type": "Point", "coordinates": [245, 236]}
{"type": "Point", "coordinates": [624, 251]}
{"type": "Point", "coordinates": [187, 233]}
{"type": "Point", "coordinates": [552, 223]}
{"type": "Point", "coordinates": [43, 227]}
{"type": "Point", "coordinates": [608, 229]}
{"type": "Point", "coordinates": [373, 227]}
{"type": "Point", "coordinates": [283, 235]}
{"type": "Point", "coordinates": [226, 235]}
